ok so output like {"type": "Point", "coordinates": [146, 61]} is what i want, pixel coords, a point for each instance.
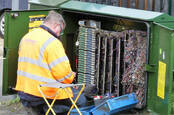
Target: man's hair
{"type": "Point", "coordinates": [54, 17]}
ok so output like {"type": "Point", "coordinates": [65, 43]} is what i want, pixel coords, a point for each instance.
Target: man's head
{"type": "Point", "coordinates": [55, 22]}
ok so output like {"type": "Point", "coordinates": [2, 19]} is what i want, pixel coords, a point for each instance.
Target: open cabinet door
{"type": "Point", "coordinates": [17, 24]}
{"type": "Point", "coordinates": [160, 83]}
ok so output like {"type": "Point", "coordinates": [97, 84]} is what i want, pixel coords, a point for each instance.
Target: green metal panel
{"type": "Point", "coordinates": [15, 29]}
{"type": "Point", "coordinates": [163, 18]}
{"type": "Point", "coordinates": [167, 25]}
{"type": "Point", "coordinates": [110, 10]}
{"type": "Point", "coordinates": [43, 4]}
{"type": "Point", "coordinates": [38, 6]}
{"type": "Point", "coordinates": [161, 44]}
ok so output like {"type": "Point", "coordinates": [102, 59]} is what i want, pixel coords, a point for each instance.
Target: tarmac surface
{"type": "Point", "coordinates": [12, 109]}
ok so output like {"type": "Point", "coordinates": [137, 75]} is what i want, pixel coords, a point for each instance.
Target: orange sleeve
{"type": "Point", "coordinates": [59, 63]}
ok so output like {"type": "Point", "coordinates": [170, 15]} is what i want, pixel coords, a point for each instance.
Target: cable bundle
{"type": "Point", "coordinates": [113, 62]}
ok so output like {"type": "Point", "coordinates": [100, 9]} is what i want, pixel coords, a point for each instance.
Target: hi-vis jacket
{"type": "Point", "coordinates": [41, 60]}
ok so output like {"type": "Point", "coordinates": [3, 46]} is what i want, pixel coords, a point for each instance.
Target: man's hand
{"type": "Point", "coordinates": [74, 81]}
{"type": "Point", "coordinates": [74, 73]}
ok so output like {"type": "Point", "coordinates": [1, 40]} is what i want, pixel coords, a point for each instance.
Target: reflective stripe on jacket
{"type": "Point", "coordinates": [42, 59]}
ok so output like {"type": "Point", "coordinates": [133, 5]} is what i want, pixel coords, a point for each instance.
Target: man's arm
{"type": "Point", "coordinates": [59, 63]}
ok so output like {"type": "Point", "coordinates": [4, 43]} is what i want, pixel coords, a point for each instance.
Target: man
{"type": "Point", "coordinates": [42, 59]}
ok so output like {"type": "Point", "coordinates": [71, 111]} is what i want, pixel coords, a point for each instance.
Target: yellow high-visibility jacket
{"type": "Point", "coordinates": [41, 60]}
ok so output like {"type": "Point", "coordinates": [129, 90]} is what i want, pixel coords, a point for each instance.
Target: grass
{"type": "Point", "coordinates": [10, 102]}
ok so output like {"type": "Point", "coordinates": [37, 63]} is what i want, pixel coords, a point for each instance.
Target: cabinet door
{"type": "Point", "coordinates": [160, 83]}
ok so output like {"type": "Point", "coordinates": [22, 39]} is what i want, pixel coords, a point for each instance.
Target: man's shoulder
{"type": "Point", "coordinates": [38, 33]}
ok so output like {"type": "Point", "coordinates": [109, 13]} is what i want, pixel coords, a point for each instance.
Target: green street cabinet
{"type": "Point", "coordinates": [160, 36]}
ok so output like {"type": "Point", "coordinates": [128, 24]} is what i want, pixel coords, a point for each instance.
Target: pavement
{"type": "Point", "coordinates": [9, 108]}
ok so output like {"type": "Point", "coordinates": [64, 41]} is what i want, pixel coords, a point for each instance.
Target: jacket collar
{"type": "Point", "coordinates": [49, 30]}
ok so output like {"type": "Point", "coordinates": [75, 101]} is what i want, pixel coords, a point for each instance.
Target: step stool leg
{"type": "Point", "coordinates": [73, 102]}
{"type": "Point", "coordinates": [46, 102]}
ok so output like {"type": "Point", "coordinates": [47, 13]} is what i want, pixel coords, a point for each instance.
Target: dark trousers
{"type": "Point", "coordinates": [60, 106]}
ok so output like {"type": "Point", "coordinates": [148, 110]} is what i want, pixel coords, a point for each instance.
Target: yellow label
{"type": "Point", "coordinates": [36, 16]}
{"type": "Point", "coordinates": [161, 79]}
{"type": "Point", "coordinates": [35, 21]}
